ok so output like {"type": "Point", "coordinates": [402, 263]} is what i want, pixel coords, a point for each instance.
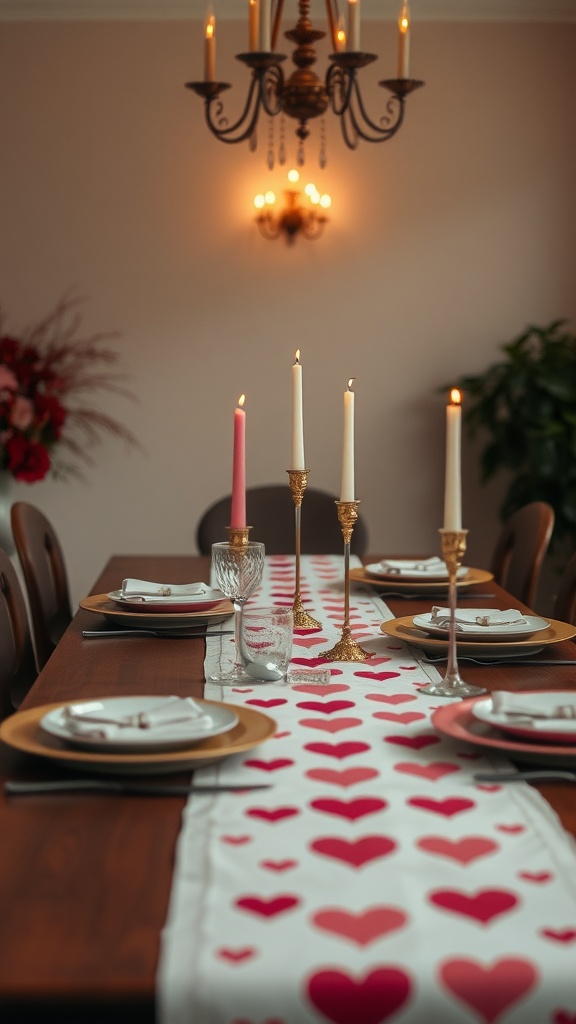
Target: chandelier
{"type": "Point", "coordinates": [303, 212]}
{"type": "Point", "coordinates": [303, 95]}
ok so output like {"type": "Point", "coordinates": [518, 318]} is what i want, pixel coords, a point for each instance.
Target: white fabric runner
{"type": "Point", "coordinates": [375, 881]}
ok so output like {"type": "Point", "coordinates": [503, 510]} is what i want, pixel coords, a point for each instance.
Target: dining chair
{"type": "Point", "coordinates": [565, 600]}
{"type": "Point", "coordinates": [17, 662]}
{"type": "Point", "coordinates": [520, 549]}
{"type": "Point", "coordinates": [44, 571]}
{"type": "Point", "coordinates": [270, 512]}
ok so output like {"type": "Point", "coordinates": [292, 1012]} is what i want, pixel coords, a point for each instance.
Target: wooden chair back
{"type": "Point", "coordinates": [520, 550]}
{"type": "Point", "coordinates": [44, 571]}
{"type": "Point", "coordinates": [17, 662]}
{"type": "Point", "coordinates": [270, 513]}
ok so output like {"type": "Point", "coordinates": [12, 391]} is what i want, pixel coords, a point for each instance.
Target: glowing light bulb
{"type": "Point", "coordinates": [325, 201]}
{"type": "Point", "coordinates": [259, 201]}
{"type": "Point", "coordinates": [270, 198]}
{"type": "Point", "coordinates": [293, 175]}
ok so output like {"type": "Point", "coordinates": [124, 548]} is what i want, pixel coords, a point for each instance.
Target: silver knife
{"type": "Point", "coordinates": [167, 634]}
{"type": "Point", "coordinates": [16, 788]}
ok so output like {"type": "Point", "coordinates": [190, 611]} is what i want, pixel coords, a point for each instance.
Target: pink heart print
{"type": "Point", "coordinates": [279, 865]}
{"type": "Point", "coordinates": [447, 807]}
{"type": "Point", "coordinates": [319, 690]}
{"type": "Point", "coordinates": [330, 725]}
{"type": "Point", "coordinates": [433, 771]}
{"type": "Point", "coordinates": [363, 927]}
{"type": "Point", "coordinates": [392, 698]}
{"type": "Point", "coordinates": [380, 676]}
{"type": "Point", "coordinates": [272, 814]}
{"type": "Point", "coordinates": [338, 750]}
{"type": "Point", "coordinates": [490, 990]}
{"type": "Point", "coordinates": [464, 850]}
{"type": "Point", "coordinates": [344, 778]}
{"type": "Point", "coordinates": [401, 717]}
{"type": "Point", "coordinates": [267, 906]}
{"type": "Point", "coordinates": [327, 708]}
{"type": "Point", "coordinates": [343, 998]}
{"type": "Point", "coordinates": [236, 956]}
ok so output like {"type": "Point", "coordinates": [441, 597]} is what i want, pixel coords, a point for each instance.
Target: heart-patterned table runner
{"type": "Point", "coordinates": [376, 881]}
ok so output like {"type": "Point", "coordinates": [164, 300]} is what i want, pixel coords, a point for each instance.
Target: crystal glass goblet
{"type": "Point", "coordinates": [238, 572]}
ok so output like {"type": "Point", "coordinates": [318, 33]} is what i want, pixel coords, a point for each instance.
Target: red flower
{"type": "Point", "coordinates": [51, 413]}
{"type": "Point", "coordinates": [27, 460]}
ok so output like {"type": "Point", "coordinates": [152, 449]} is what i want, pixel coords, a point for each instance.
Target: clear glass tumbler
{"type": "Point", "coordinates": [237, 572]}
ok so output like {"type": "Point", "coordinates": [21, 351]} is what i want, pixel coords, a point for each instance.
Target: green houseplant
{"type": "Point", "coordinates": [525, 407]}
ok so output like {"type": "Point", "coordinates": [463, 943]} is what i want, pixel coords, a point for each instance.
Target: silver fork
{"type": "Point", "coordinates": [503, 661]}
{"type": "Point", "coordinates": [543, 774]}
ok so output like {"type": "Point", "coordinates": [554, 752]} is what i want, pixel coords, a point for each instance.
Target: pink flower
{"type": "Point", "coordinates": [21, 413]}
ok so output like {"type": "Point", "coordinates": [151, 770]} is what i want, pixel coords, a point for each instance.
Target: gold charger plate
{"type": "Point", "coordinates": [22, 731]}
{"type": "Point", "coordinates": [403, 629]}
{"type": "Point", "coordinates": [102, 605]}
{"type": "Point", "coordinates": [392, 584]}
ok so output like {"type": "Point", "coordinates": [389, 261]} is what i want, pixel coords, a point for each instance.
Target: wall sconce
{"type": "Point", "coordinates": [303, 212]}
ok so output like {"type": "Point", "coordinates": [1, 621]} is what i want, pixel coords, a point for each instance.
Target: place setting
{"type": "Point", "coordinates": [151, 606]}
{"type": "Point", "coordinates": [417, 576]}
{"type": "Point", "coordinates": [140, 734]}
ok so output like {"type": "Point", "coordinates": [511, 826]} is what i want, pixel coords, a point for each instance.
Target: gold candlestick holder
{"type": "Point", "coordinates": [238, 536]}
{"type": "Point", "coordinates": [347, 649]}
{"type": "Point", "coordinates": [453, 549]}
{"type": "Point", "coordinates": [298, 481]}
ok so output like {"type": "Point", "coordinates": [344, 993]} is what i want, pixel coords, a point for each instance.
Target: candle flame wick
{"type": "Point", "coordinates": [455, 396]}
{"type": "Point", "coordinates": [350, 382]}
{"type": "Point", "coordinates": [241, 400]}
{"type": "Point", "coordinates": [297, 356]}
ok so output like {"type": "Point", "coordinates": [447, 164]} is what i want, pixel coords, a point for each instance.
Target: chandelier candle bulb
{"type": "Point", "coordinates": [297, 461]}
{"type": "Point", "coordinates": [404, 42]}
{"type": "Point", "coordinates": [238, 511]}
{"type": "Point", "coordinates": [264, 26]}
{"type": "Point", "coordinates": [347, 484]}
{"type": "Point", "coordinates": [453, 481]}
{"type": "Point", "coordinates": [341, 35]}
{"type": "Point", "coordinates": [252, 25]}
{"type": "Point", "coordinates": [353, 37]}
{"type": "Point", "coordinates": [210, 46]}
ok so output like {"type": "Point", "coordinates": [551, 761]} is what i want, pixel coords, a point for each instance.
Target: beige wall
{"type": "Point", "coordinates": [443, 243]}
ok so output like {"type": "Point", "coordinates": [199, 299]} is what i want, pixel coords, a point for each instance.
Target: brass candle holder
{"type": "Point", "coordinates": [298, 480]}
{"type": "Point", "coordinates": [347, 649]}
{"type": "Point", "coordinates": [453, 549]}
{"type": "Point", "coordinates": [238, 536]}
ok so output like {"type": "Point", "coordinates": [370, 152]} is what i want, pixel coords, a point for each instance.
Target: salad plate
{"type": "Point", "coordinates": [163, 605]}
{"type": "Point", "coordinates": [546, 729]}
{"type": "Point", "coordinates": [101, 604]}
{"type": "Point", "coordinates": [404, 629]}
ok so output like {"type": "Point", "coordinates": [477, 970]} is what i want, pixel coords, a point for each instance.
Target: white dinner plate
{"type": "Point", "coordinates": [102, 605]}
{"type": "Point", "coordinates": [172, 737]}
{"type": "Point", "coordinates": [421, 576]}
{"type": "Point", "coordinates": [190, 603]}
{"type": "Point", "coordinates": [471, 631]}
{"type": "Point", "coordinates": [544, 730]}
{"type": "Point", "coordinates": [403, 629]}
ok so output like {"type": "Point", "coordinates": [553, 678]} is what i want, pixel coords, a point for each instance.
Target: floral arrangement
{"type": "Point", "coordinates": [44, 375]}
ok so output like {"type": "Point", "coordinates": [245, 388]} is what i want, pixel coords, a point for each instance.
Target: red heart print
{"type": "Point", "coordinates": [380, 676]}
{"type": "Point", "coordinates": [309, 662]}
{"type": "Point", "coordinates": [392, 698]}
{"type": "Point", "coordinates": [464, 850]}
{"type": "Point", "coordinates": [536, 876]}
{"type": "Point", "coordinates": [318, 690]}
{"type": "Point", "coordinates": [414, 742]}
{"type": "Point", "coordinates": [559, 934]}
{"type": "Point", "coordinates": [236, 840]}
{"type": "Point", "coordinates": [269, 766]}
{"type": "Point", "coordinates": [271, 702]}
{"type": "Point", "coordinates": [309, 641]}
{"type": "Point", "coordinates": [362, 928]}
{"type": "Point", "coordinates": [279, 865]}
{"type": "Point", "coordinates": [344, 777]}
{"type": "Point", "coordinates": [338, 750]}
{"type": "Point", "coordinates": [408, 668]}
{"type": "Point", "coordinates": [482, 906]}
{"type": "Point", "coordinates": [433, 771]}
{"type": "Point", "coordinates": [281, 735]}
{"type": "Point", "coordinates": [330, 724]}
{"type": "Point", "coordinates": [447, 807]}
{"type": "Point", "coordinates": [272, 814]}
{"type": "Point", "coordinates": [402, 717]}
{"type": "Point", "coordinates": [489, 990]}
{"type": "Point", "coordinates": [353, 809]}
{"type": "Point", "coordinates": [267, 906]}
{"type": "Point", "coordinates": [512, 830]}
{"type": "Point", "coordinates": [328, 708]}
{"type": "Point", "coordinates": [236, 956]}
{"type": "Point", "coordinates": [486, 788]}
{"type": "Point", "coordinates": [345, 999]}
{"type": "Point", "coordinates": [355, 852]}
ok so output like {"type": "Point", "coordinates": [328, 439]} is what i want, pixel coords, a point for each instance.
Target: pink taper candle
{"type": "Point", "coordinates": [238, 512]}
{"type": "Point", "coordinates": [453, 482]}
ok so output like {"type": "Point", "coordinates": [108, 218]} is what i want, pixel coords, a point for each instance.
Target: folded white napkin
{"type": "Point", "coordinates": [472, 618]}
{"type": "Point", "coordinates": [425, 566]}
{"type": "Point", "coordinates": [143, 590]}
{"type": "Point", "coordinates": [519, 704]}
{"type": "Point", "coordinates": [102, 724]}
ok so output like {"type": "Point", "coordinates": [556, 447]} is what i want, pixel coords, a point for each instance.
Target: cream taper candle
{"type": "Point", "coordinates": [347, 484]}
{"type": "Point", "coordinates": [210, 46]}
{"type": "Point", "coordinates": [252, 25]}
{"type": "Point", "coordinates": [353, 34]}
{"type": "Point", "coordinates": [404, 41]}
{"type": "Point", "coordinates": [453, 480]}
{"type": "Point", "coordinates": [264, 26]}
{"type": "Point", "coordinates": [297, 461]}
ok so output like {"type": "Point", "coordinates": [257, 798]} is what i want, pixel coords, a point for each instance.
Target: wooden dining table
{"type": "Point", "coordinates": [85, 879]}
